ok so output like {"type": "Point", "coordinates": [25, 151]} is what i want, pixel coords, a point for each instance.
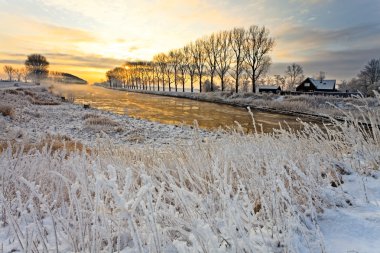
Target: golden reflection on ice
{"type": "Point", "coordinates": [172, 110]}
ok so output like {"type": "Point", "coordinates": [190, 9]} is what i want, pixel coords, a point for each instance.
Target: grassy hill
{"type": "Point", "coordinates": [66, 78]}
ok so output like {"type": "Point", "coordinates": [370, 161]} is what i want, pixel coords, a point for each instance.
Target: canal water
{"type": "Point", "coordinates": [171, 110]}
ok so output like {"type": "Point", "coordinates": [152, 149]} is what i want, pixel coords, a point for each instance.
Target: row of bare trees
{"type": "Point", "coordinates": [15, 74]}
{"type": "Point", "coordinates": [36, 68]}
{"type": "Point", "coordinates": [235, 55]}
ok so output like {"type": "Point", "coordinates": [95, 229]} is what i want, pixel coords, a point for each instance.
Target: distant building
{"type": "Point", "coordinates": [311, 85]}
{"type": "Point", "coordinates": [269, 89]}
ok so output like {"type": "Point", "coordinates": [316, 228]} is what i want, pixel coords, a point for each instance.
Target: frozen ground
{"type": "Point", "coordinates": [237, 193]}
{"type": "Point", "coordinates": [15, 85]}
{"type": "Point", "coordinates": [355, 228]}
{"type": "Point", "coordinates": [32, 121]}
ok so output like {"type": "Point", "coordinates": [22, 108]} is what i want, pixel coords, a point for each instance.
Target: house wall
{"type": "Point", "coordinates": [304, 87]}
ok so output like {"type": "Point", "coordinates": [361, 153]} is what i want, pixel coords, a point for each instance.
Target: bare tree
{"type": "Point", "coordinates": [279, 80]}
{"type": "Point", "coordinates": [156, 74]}
{"type": "Point", "coordinates": [191, 65]}
{"type": "Point", "coordinates": [10, 71]}
{"type": "Point", "coordinates": [198, 51]}
{"type": "Point", "coordinates": [223, 62]}
{"type": "Point", "coordinates": [175, 60]}
{"type": "Point", "coordinates": [257, 46]}
{"type": "Point", "coordinates": [245, 78]}
{"type": "Point", "coordinates": [294, 75]}
{"type": "Point", "coordinates": [169, 71]}
{"type": "Point", "coordinates": [18, 74]}
{"type": "Point", "coordinates": [24, 74]}
{"type": "Point", "coordinates": [211, 52]}
{"type": "Point", "coordinates": [110, 77]}
{"type": "Point", "coordinates": [160, 60]}
{"type": "Point", "coordinates": [183, 67]}
{"type": "Point", "coordinates": [371, 72]}
{"type": "Point", "coordinates": [367, 80]}
{"type": "Point", "coordinates": [120, 74]}
{"type": "Point", "coordinates": [150, 74]}
{"type": "Point", "coordinates": [237, 45]}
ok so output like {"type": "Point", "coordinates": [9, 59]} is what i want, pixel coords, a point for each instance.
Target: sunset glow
{"type": "Point", "coordinates": [90, 36]}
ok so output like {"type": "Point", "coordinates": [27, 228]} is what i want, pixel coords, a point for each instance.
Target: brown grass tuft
{"type": "Point", "coordinates": [30, 93]}
{"type": "Point", "coordinates": [90, 115]}
{"type": "Point", "coordinates": [38, 101]}
{"type": "Point", "coordinates": [100, 121]}
{"type": "Point", "coordinates": [52, 143]}
{"type": "Point", "coordinates": [10, 91]}
{"type": "Point", "coordinates": [6, 110]}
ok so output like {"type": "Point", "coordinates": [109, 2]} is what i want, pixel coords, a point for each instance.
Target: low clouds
{"type": "Point", "coordinates": [339, 52]}
{"type": "Point", "coordinates": [340, 65]}
{"type": "Point", "coordinates": [309, 1]}
{"type": "Point", "coordinates": [98, 34]}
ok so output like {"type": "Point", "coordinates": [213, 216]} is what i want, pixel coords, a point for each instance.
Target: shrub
{"type": "Point", "coordinates": [38, 101]}
{"type": "Point", "coordinates": [95, 120]}
{"type": "Point", "coordinates": [7, 110]}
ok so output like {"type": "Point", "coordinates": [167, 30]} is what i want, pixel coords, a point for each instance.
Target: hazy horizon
{"type": "Point", "coordinates": [85, 38]}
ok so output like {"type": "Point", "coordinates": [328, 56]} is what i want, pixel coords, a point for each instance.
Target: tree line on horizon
{"type": "Point", "coordinates": [239, 55]}
{"type": "Point", "coordinates": [35, 69]}
{"type": "Point", "coordinates": [238, 59]}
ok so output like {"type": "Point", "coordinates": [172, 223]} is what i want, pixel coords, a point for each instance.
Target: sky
{"type": "Point", "coordinates": [88, 37]}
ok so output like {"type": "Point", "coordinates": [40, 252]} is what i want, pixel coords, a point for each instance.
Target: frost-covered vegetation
{"type": "Point", "coordinates": [241, 193]}
{"type": "Point", "coordinates": [27, 115]}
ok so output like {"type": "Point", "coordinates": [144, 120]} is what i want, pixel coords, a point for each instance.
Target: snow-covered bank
{"type": "Point", "coordinates": [312, 191]}
{"type": "Point", "coordinates": [357, 227]}
{"type": "Point", "coordinates": [15, 85]}
{"type": "Point", "coordinates": [37, 113]}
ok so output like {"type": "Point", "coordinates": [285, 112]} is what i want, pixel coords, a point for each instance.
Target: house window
{"type": "Point", "coordinates": [307, 84]}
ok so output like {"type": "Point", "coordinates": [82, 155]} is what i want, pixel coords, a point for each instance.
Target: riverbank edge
{"type": "Point", "coordinates": [31, 124]}
{"type": "Point", "coordinates": [194, 96]}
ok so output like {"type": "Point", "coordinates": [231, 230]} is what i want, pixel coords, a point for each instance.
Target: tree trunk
{"type": "Point", "coordinates": [191, 83]}
{"type": "Point", "coordinates": [183, 83]}
{"type": "Point", "coordinates": [212, 82]}
{"type": "Point", "coordinates": [253, 82]}
{"type": "Point", "coordinates": [237, 79]}
{"type": "Point", "coordinates": [175, 79]}
{"type": "Point", "coordinates": [200, 83]}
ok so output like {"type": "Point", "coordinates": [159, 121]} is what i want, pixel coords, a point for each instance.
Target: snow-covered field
{"type": "Point", "coordinates": [310, 191]}
{"type": "Point", "coordinates": [355, 228]}
{"type": "Point", "coordinates": [14, 85]}
{"type": "Point", "coordinates": [33, 119]}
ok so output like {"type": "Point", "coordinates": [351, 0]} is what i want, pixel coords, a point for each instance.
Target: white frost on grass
{"type": "Point", "coordinates": [33, 121]}
{"type": "Point", "coordinates": [240, 193]}
{"type": "Point", "coordinates": [16, 85]}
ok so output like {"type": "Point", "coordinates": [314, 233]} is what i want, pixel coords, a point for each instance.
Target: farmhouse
{"type": "Point", "coordinates": [269, 89]}
{"type": "Point", "coordinates": [311, 85]}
